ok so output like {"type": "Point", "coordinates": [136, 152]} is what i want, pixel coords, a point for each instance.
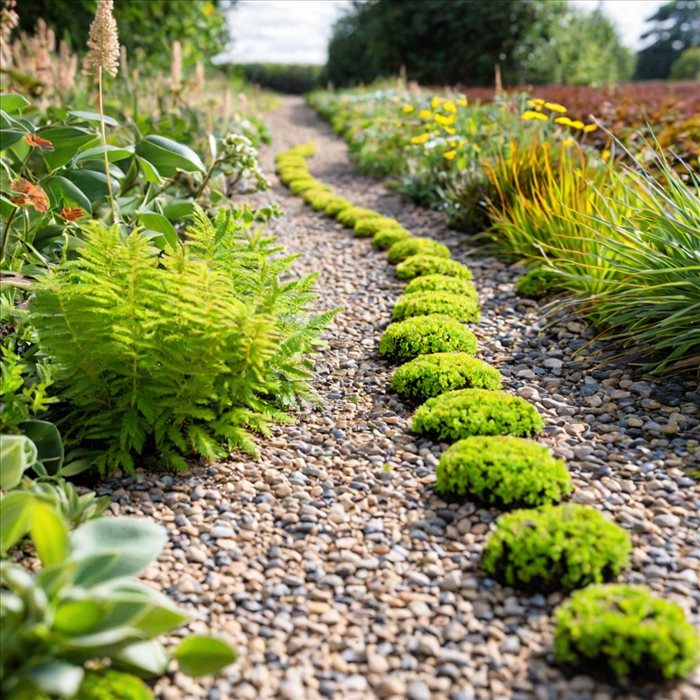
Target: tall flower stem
{"type": "Point", "coordinates": [100, 109]}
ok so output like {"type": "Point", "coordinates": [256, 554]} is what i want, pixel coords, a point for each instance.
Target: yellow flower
{"type": "Point", "coordinates": [436, 102]}
{"type": "Point", "coordinates": [535, 101]}
{"type": "Point", "coordinates": [564, 121]}
{"type": "Point", "coordinates": [590, 127]}
{"type": "Point", "coordinates": [529, 114]}
{"type": "Point", "coordinates": [555, 107]}
{"type": "Point", "coordinates": [425, 114]}
{"type": "Point", "coordinates": [605, 155]}
{"type": "Point", "coordinates": [576, 124]}
{"type": "Point", "coordinates": [445, 120]}
{"type": "Point", "coordinates": [450, 106]}
{"type": "Point", "coordinates": [407, 109]}
{"type": "Point", "coordinates": [450, 130]}
{"type": "Point", "coordinates": [420, 139]}
{"type": "Point", "coordinates": [462, 101]}
{"type": "Point", "coordinates": [449, 154]}
{"type": "Point", "coordinates": [568, 142]}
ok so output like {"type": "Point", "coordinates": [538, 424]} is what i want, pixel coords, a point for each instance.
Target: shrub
{"type": "Point", "coordinates": [349, 217]}
{"type": "Point", "coordinates": [442, 283]}
{"type": "Point", "coordinates": [503, 470]}
{"type": "Point", "coordinates": [113, 685]}
{"type": "Point", "coordinates": [425, 334]}
{"type": "Point", "coordinates": [626, 630]}
{"type": "Point", "coordinates": [430, 375]}
{"type": "Point", "coordinates": [175, 353]}
{"type": "Point", "coordinates": [416, 246]}
{"type": "Point", "coordinates": [307, 183]}
{"type": "Point", "coordinates": [465, 309]}
{"type": "Point", "coordinates": [366, 228]}
{"type": "Point", "coordinates": [536, 283]}
{"type": "Point", "coordinates": [318, 199]}
{"type": "Point", "coordinates": [566, 546]}
{"type": "Point", "coordinates": [289, 174]}
{"type": "Point", "coordinates": [465, 412]}
{"type": "Point", "coordinates": [418, 265]}
{"type": "Point", "coordinates": [335, 206]}
{"type": "Point", "coordinates": [387, 237]}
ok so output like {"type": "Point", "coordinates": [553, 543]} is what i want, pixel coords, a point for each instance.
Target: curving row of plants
{"type": "Point", "coordinates": [542, 544]}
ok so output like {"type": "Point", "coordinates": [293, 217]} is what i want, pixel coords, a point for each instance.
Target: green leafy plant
{"type": "Point", "coordinates": [387, 237]}
{"type": "Point", "coordinates": [442, 283]}
{"type": "Point", "coordinates": [337, 205]}
{"type": "Point", "coordinates": [319, 199]}
{"type": "Point", "coordinates": [431, 375]}
{"type": "Point", "coordinates": [108, 684]}
{"type": "Point", "coordinates": [566, 546]}
{"type": "Point", "coordinates": [536, 283]}
{"type": "Point", "coordinates": [421, 335]}
{"type": "Point", "coordinates": [463, 308]}
{"type": "Point", "coordinates": [366, 228]}
{"type": "Point", "coordinates": [416, 246]}
{"type": "Point", "coordinates": [503, 470]}
{"type": "Point", "coordinates": [418, 265]}
{"type": "Point", "coordinates": [466, 412]}
{"type": "Point", "coordinates": [350, 217]}
{"type": "Point", "coordinates": [625, 630]}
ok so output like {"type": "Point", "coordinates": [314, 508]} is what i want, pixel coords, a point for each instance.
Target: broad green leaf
{"type": "Point", "coordinates": [57, 678]}
{"type": "Point", "coordinates": [114, 153]}
{"type": "Point", "coordinates": [168, 156]}
{"type": "Point", "coordinates": [6, 207]}
{"type": "Point", "coordinates": [48, 443]}
{"type": "Point", "coordinates": [160, 224]}
{"type": "Point", "coordinates": [9, 137]}
{"type": "Point", "coordinates": [91, 183]}
{"type": "Point", "coordinates": [49, 532]}
{"type": "Point", "coordinates": [67, 141]}
{"type": "Point", "coordinates": [12, 102]}
{"type": "Point", "coordinates": [200, 655]}
{"type": "Point", "coordinates": [60, 189]}
{"type": "Point", "coordinates": [92, 117]}
{"type": "Point", "coordinates": [179, 209]}
{"type": "Point", "coordinates": [150, 172]}
{"type": "Point", "coordinates": [143, 658]}
{"type": "Point", "coordinates": [77, 617]}
{"type": "Point", "coordinates": [15, 516]}
{"type": "Point", "coordinates": [17, 454]}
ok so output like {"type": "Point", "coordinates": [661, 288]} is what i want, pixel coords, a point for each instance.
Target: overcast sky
{"type": "Point", "coordinates": [297, 31]}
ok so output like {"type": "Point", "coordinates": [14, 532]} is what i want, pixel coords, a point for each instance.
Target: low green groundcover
{"type": "Point", "coordinates": [536, 283]}
{"type": "Point", "coordinates": [349, 217]}
{"type": "Point", "coordinates": [625, 630]}
{"type": "Point", "coordinates": [556, 547]}
{"type": "Point", "coordinates": [442, 283]}
{"type": "Point", "coordinates": [307, 183]}
{"type": "Point", "coordinates": [463, 308]}
{"type": "Point", "coordinates": [425, 334]}
{"type": "Point", "coordinates": [387, 237]}
{"type": "Point", "coordinates": [336, 205]}
{"type": "Point", "coordinates": [465, 412]}
{"type": "Point", "coordinates": [431, 375]}
{"type": "Point", "coordinates": [366, 228]}
{"type": "Point", "coordinates": [113, 685]}
{"type": "Point", "coordinates": [416, 246]}
{"type": "Point", "coordinates": [503, 470]}
{"type": "Point", "coordinates": [318, 199]}
{"type": "Point", "coordinates": [418, 265]}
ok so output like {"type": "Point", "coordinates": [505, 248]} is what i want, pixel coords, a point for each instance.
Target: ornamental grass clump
{"type": "Point", "coordinates": [466, 412]}
{"type": "Point", "coordinates": [442, 283]}
{"type": "Point", "coordinates": [418, 265]}
{"type": "Point", "coordinates": [503, 470]}
{"type": "Point", "coordinates": [416, 246]}
{"type": "Point", "coordinates": [463, 308]}
{"type": "Point", "coordinates": [366, 228]}
{"type": "Point", "coordinates": [425, 334]}
{"type": "Point", "coordinates": [431, 375]}
{"type": "Point", "coordinates": [349, 217]}
{"type": "Point", "coordinates": [336, 205]}
{"type": "Point", "coordinates": [387, 237]}
{"type": "Point", "coordinates": [556, 547]}
{"type": "Point", "coordinates": [627, 631]}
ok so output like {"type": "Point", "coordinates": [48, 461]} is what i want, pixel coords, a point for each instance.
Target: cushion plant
{"type": "Point", "coordinates": [418, 265]}
{"type": "Point", "coordinates": [463, 308]}
{"type": "Point", "coordinates": [387, 237]}
{"type": "Point", "coordinates": [566, 546]}
{"type": "Point", "coordinates": [441, 283]}
{"type": "Point", "coordinates": [416, 245]}
{"type": "Point", "coordinates": [349, 217]}
{"type": "Point", "coordinates": [366, 228]}
{"type": "Point", "coordinates": [108, 684]}
{"type": "Point", "coordinates": [318, 199]}
{"type": "Point", "coordinates": [335, 206]}
{"type": "Point", "coordinates": [503, 470]}
{"type": "Point", "coordinates": [536, 283]}
{"type": "Point", "coordinates": [425, 334]}
{"type": "Point", "coordinates": [625, 630]}
{"type": "Point", "coordinates": [288, 174]}
{"type": "Point", "coordinates": [459, 414]}
{"type": "Point", "coordinates": [431, 375]}
{"type": "Point", "coordinates": [305, 150]}
{"type": "Point", "coordinates": [307, 183]}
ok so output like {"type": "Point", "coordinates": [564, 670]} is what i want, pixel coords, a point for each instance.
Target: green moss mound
{"type": "Point", "coordinates": [418, 265]}
{"type": "Point", "coordinates": [305, 150]}
{"type": "Point", "coordinates": [349, 217]}
{"type": "Point", "coordinates": [317, 199]}
{"type": "Point", "coordinates": [287, 175]}
{"type": "Point", "coordinates": [555, 547]}
{"type": "Point", "coordinates": [503, 470]}
{"type": "Point", "coordinates": [464, 309]}
{"type": "Point", "coordinates": [113, 685]}
{"type": "Point", "coordinates": [308, 183]}
{"type": "Point", "coordinates": [365, 228]}
{"type": "Point", "coordinates": [625, 630]}
{"type": "Point", "coordinates": [416, 246]}
{"type": "Point", "coordinates": [425, 334]}
{"type": "Point", "coordinates": [387, 237]}
{"type": "Point", "coordinates": [431, 375]}
{"type": "Point", "coordinates": [442, 283]}
{"type": "Point", "coordinates": [466, 412]}
{"type": "Point", "coordinates": [536, 283]}
{"type": "Point", "coordinates": [335, 206]}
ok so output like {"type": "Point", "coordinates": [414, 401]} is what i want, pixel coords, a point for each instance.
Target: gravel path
{"type": "Point", "coordinates": [333, 566]}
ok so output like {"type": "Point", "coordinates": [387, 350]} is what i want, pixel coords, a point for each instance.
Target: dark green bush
{"type": "Point", "coordinates": [465, 309]}
{"type": "Point", "coordinates": [335, 206]}
{"type": "Point", "coordinates": [625, 630]}
{"type": "Point", "coordinates": [288, 78]}
{"type": "Point", "coordinates": [536, 283]}
{"type": "Point", "coordinates": [387, 237]}
{"type": "Point", "coordinates": [349, 217]}
{"type": "Point", "coordinates": [503, 470]}
{"type": "Point", "coordinates": [113, 685]}
{"type": "Point", "coordinates": [442, 283]}
{"type": "Point", "coordinates": [465, 412]}
{"type": "Point", "coordinates": [418, 265]}
{"type": "Point", "coordinates": [416, 246]}
{"type": "Point", "coordinates": [566, 546]}
{"type": "Point", "coordinates": [431, 375]}
{"type": "Point", "coordinates": [425, 334]}
{"type": "Point", "coordinates": [366, 228]}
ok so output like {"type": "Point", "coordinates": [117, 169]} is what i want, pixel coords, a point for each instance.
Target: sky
{"type": "Point", "coordinates": [297, 31]}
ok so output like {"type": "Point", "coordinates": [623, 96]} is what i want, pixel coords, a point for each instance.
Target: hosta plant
{"type": "Point", "coordinates": [418, 265]}
{"type": "Point", "coordinates": [463, 308]}
{"type": "Point", "coordinates": [407, 339]}
{"type": "Point", "coordinates": [416, 246]}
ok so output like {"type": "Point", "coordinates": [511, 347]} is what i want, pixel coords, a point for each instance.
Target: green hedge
{"type": "Point", "coordinates": [289, 78]}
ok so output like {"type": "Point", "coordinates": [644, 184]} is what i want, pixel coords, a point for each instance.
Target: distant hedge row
{"type": "Point", "coordinates": [294, 79]}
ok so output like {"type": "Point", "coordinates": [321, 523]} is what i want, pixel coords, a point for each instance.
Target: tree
{"type": "Point", "coordinates": [675, 27]}
{"type": "Point", "coordinates": [687, 67]}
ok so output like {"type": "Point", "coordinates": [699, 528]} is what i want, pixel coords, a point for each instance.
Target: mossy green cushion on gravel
{"type": "Point", "coordinates": [418, 265]}
{"type": "Point", "coordinates": [108, 684]}
{"type": "Point", "coordinates": [463, 308]}
{"type": "Point", "coordinates": [349, 217]}
{"type": "Point", "coordinates": [416, 246]}
{"type": "Point", "coordinates": [425, 334]}
{"type": "Point", "coordinates": [625, 630]}
{"type": "Point", "coordinates": [317, 198]}
{"type": "Point", "coordinates": [301, 185]}
{"type": "Point", "coordinates": [387, 237]}
{"type": "Point", "coordinates": [431, 375]}
{"type": "Point", "coordinates": [465, 412]}
{"type": "Point", "coordinates": [335, 206]}
{"type": "Point", "coordinates": [366, 228]}
{"type": "Point", "coordinates": [556, 547]}
{"type": "Point", "coordinates": [442, 283]}
{"type": "Point", "coordinates": [503, 470]}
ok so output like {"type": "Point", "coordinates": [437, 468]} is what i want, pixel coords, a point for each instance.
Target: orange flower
{"type": "Point", "coordinates": [71, 213]}
{"type": "Point", "coordinates": [37, 142]}
{"type": "Point", "coordinates": [31, 195]}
